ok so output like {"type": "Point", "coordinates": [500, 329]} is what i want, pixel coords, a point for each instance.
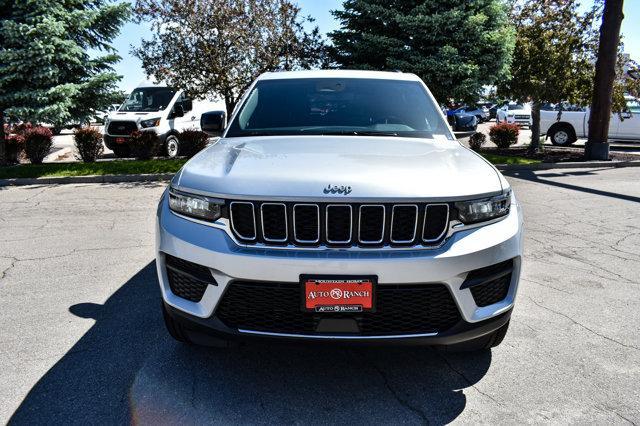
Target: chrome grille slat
{"type": "Point", "coordinates": [302, 224]}
{"type": "Point", "coordinates": [295, 224]}
{"type": "Point", "coordinates": [394, 225]}
{"type": "Point", "coordinates": [284, 218]}
{"type": "Point", "coordinates": [327, 220]}
{"type": "Point", "coordinates": [360, 223]}
{"type": "Point", "coordinates": [248, 237]}
{"type": "Point", "coordinates": [424, 223]}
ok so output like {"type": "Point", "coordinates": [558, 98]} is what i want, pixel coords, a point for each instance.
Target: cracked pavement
{"type": "Point", "coordinates": [82, 339]}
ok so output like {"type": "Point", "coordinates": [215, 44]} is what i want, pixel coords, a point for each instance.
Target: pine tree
{"type": "Point", "coordinates": [56, 61]}
{"type": "Point", "coordinates": [455, 47]}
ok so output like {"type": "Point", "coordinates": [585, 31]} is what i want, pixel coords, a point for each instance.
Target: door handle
{"type": "Point", "coordinates": [193, 117]}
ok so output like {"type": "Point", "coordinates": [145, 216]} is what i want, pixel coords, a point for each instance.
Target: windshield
{"type": "Point", "coordinates": [516, 106]}
{"type": "Point", "coordinates": [322, 106]}
{"type": "Point", "coordinates": [633, 105]}
{"type": "Point", "coordinates": [148, 99]}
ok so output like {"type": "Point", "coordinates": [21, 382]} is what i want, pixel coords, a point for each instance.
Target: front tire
{"type": "Point", "coordinates": [172, 146]}
{"type": "Point", "coordinates": [562, 136]}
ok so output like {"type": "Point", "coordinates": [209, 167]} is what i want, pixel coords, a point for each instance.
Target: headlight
{"type": "Point", "coordinates": [486, 209]}
{"type": "Point", "coordinates": [196, 206]}
{"type": "Point", "coordinates": [152, 122]}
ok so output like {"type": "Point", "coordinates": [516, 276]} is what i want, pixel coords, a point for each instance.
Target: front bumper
{"type": "Point", "coordinates": [450, 264]}
{"type": "Point", "coordinates": [111, 141]}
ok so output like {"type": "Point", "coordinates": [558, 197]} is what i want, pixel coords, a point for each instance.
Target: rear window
{"type": "Point", "coordinates": [349, 106]}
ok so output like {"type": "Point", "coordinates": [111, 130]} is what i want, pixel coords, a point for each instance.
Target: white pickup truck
{"type": "Point", "coordinates": [575, 124]}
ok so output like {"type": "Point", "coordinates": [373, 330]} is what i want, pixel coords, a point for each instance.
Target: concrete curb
{"type": "Point", "coordinates": [86, 179]}
{"type": "Point", "coordinates": [568, 165]}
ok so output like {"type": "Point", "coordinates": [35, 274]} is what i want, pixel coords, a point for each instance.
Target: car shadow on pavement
{"type": "Point", "coordinates": [126, 369]}
{"type": "Point", "coordinates": [531, 176]}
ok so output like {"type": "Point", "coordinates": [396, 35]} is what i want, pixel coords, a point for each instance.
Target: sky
{"type": "Point", "coordinates": [131, 34]}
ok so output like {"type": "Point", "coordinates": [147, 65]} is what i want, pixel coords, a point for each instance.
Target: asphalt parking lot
{"type": "Point", "coordinates": [82, 339]}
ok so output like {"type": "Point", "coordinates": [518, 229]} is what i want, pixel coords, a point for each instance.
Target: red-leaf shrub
{"type": "Point", "coordinates": [37, 143]}
{"type": "Point", "coordinates": [477, 140]}
{"type": "Point", "coordinates": [144, 145]}
{"type": "Point", "coordinates": [504, 135]}
{"type": "Point", "coordinates": [192, 141]}
{"type": "Point", "coordinates": [88, 141]}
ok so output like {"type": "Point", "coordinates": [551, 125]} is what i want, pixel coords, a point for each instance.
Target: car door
{"type": "Point", "coordinates": [188, 120]}
{"type": "Point", "coordinates": [628, 122]}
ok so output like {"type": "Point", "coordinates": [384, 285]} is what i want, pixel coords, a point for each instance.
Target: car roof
{"type": "Point", "coordinates": [382, 75]}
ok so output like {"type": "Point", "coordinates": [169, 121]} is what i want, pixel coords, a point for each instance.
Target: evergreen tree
{"type": "Point", "coordinates": [455, 47]}
{"type": "Point", "coordinates": [56, 61]}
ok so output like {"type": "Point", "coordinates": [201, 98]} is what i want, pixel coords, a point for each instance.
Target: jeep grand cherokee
{"type": "Point", "coordinates": [338, 206]}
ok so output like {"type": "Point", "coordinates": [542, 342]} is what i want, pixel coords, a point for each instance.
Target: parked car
{"type": "Point", "coordinates": [514, 113]}
{"type": "Point", "coordinates": [481, 112]}
{"type": "Point", "coordinates": [565, 128]}
{"type": "Point", "coordinates": [338, 206]}
{"type": "Point", "coordinates": [158, 108]}
{"type": "Point", "coordinates": [460, 120]}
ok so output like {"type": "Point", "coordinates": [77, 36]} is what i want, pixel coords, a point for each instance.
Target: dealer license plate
{"type": "Point", "coordinates": [341, 295]}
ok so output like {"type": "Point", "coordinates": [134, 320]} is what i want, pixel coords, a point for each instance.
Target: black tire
{"type": "Point", "coordinates": [481, 343]}
{"type": "Point", "coordinates": [121, 151]}
{"type": "Point", "coordinates": [172, 146]}
{"type": "Point", "coordinates": [562, 136]}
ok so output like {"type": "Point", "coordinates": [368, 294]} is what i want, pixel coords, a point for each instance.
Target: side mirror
{"type": "Point", "coordinates": [213, 122]}
{"type": "Point", "coordinates": [178, 111]}
{"type": "Point", "coordinates": [187, 105]}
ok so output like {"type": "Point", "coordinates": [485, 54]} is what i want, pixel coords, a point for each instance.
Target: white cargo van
{"type": "Point", "coordinates": [167, 111]}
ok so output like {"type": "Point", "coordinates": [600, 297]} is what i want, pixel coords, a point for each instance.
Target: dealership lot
{"type": "Point", "coordinates": [82, 338]}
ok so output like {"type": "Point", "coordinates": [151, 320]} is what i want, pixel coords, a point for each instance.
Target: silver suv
{"type": "Point", "coordinates": [338, 206]}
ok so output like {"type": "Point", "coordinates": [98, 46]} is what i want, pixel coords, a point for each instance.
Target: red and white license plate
{"type": "Point", "coordinates": [342, 295]}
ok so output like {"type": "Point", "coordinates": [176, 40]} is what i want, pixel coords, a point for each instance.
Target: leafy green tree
{"type": "Point", "coordinates": [553, 58]}
{"type": "Point", "coordinates": [221, 46]}
{"type": "Point", "coordinates": [56, 61]}
{"type": "Point", "coordinates": [455, 47]}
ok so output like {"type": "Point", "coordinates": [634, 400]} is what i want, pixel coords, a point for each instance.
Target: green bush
{"type": "Point", "coordinates": [38, 141]}
{"type": "Point", "coordinates": [192, 141]}
{"type": "Point", "coordinates": [477, 140]}
{"type": "Point", "coordinates": [88, 141]}
{"type": "Point", "coordinates": [504, 135]}
{"type": "Point", "coordinates": [144, 145]}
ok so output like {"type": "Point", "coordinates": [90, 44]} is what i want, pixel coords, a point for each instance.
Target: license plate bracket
{"type": "Point", "coordinates": [338, 293]}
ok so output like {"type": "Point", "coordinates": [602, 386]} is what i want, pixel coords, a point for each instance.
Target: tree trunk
{"type": "Point", "coordinates": [3, 147]}
{"type": "Point", "coordinates": [535, 127]}
{"type": "Point", "coordinates": [597, 147]}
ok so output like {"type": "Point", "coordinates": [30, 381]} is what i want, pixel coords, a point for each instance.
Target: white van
{"type": "Point", "coordinates": [164, 110]}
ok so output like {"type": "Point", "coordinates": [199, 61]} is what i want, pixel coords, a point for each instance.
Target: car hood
{"type": "Point", "coordinates": [370, 168]}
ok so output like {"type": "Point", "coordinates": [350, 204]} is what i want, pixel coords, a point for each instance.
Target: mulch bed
{"type": "Point", "coordinates": [557, 155]}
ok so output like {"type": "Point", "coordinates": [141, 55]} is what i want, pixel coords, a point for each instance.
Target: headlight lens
{"type": "Point", "coordinates": [152, 122]}
{"type": "Point", "coordinates": [486, 209]}
{"type": "Point", "coordinates": [196, 206]}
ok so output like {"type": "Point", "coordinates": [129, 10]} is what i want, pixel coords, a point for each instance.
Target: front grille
{"type": "Point", "coordinates": [522, 117]}
{"type": "Point", "coordinates": [187, 279]}
{"type": "Point", "coordinates": [122, 128]}
{"type": "Point", "coordinates": [491, 284]}
{"type": "Point", "coordinates": [341, 225]}
{"type": "Point", "coordinates": [276, 308]}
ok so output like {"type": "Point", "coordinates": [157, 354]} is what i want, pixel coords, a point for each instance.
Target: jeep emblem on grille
{"type": "Point", "coordinates": [334, 189]}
